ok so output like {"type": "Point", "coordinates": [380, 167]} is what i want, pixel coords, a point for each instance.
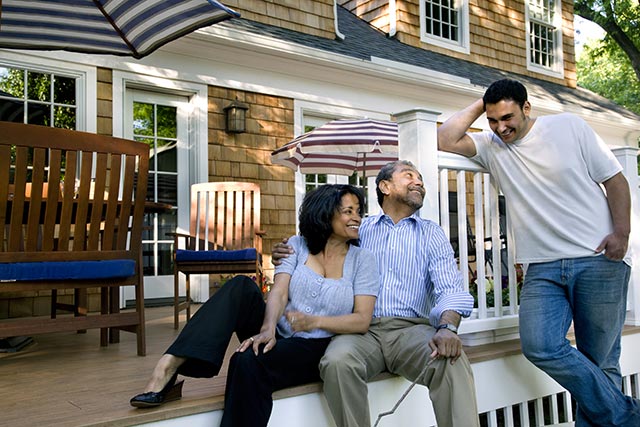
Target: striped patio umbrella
{"type": "Point", "coordinates": [118, 27]}
{"type": "Point", "coordinates": [341, 147]}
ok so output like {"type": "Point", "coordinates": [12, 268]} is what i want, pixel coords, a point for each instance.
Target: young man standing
{"type": "Point", "coordinates": [570, 234]}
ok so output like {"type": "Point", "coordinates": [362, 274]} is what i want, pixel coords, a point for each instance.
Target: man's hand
{"type": "Point", "coordinates": [614, 246]}
{"type": "Point", "coordinates": [619, 199]}
{"type": "Point", "coordinates": [280, 250]}
{"type": "Point", "coordinates": [446, 344]}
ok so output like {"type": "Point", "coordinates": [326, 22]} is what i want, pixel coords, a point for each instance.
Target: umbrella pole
{"type": "Point", "coordinates": [364, 183]}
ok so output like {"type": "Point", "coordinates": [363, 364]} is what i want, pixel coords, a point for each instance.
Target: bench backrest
{"type": "Point", "coordinates": [70, 195]}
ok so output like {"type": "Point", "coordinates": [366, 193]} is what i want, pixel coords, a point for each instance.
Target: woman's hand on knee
{"type": "Point", "coordinates": [266, 338]}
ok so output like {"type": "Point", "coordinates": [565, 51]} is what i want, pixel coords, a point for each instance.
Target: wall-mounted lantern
{"type": "Point", "coordinates": [236, 117]}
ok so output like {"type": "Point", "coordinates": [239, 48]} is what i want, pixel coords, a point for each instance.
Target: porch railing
{"type": "Point", "coordinates": [493, 280]}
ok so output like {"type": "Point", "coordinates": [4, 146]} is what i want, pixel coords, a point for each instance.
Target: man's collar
{"type": "Point", "coordinates": [384, 217]}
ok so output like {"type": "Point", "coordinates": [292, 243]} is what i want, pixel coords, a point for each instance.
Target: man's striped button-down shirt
{"type": "Point", "coordinates": [419, 274]}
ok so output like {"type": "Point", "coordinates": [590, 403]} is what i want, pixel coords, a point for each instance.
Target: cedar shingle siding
{"type": "Point", "coordinates": [314, 17]}
{"type": "Point", "coordinates": [497, 33]}
{"type": "Point", "coordinates": [247, 156]}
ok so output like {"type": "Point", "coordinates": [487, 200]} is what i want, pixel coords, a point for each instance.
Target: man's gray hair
{"type": "Point", "coordinates": [385, 174]}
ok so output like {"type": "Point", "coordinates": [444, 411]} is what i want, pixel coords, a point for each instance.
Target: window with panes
{"type": "Point", "coordinates": [544, 34]}
{"type": "Point", "coordinates": [445, 23]}
{"type": "Point", "coordinates": [442, 19]}
{"type": "Point", "coordinates": [36, 97]}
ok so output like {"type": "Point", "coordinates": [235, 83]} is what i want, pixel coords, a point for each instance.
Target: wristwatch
{"type": "Point", "coordinates": [448, 326]}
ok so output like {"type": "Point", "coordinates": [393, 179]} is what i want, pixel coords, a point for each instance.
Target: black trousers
{"type": "Point", "coordinates": [252, 379]}
{"type": "Point", "coordinates": [238, 307]}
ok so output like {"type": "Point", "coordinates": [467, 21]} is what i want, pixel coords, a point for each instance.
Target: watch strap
{"type": "Point", "coordinates": [449, 326]}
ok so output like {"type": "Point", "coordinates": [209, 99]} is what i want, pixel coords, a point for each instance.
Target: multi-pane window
{"type": "Point", "coordinates": [39, 98]}
{"type": "Point", "coordinates": [35, 97]}
{"type": "Point", "coordinates": [544, 35]}
{"type": "Point", "coordinates": [441, 19]}
{"type": "Point", "coordinates": [313, 180]}
{"type": "Point", "coordinates": [445, 23]}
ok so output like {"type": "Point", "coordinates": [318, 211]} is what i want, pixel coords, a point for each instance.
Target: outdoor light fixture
{"type": "Point", "coordinates": [235, 117]}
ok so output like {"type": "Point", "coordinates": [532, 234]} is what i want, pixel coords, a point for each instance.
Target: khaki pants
{"type": "Point", "coordinates": [400, 346]}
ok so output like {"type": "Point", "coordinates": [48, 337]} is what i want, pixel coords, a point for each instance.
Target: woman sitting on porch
{"type": "Point", "coordinates": [327, 286]}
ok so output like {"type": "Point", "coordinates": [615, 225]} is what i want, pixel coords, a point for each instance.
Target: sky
{"type": "Point", "coordinates": [585, 30]}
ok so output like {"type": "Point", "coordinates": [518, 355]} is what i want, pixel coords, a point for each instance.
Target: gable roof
{"type": "Point", "coordinates": [364, 42]}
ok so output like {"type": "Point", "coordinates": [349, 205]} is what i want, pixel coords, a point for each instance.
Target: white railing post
{"type": "Point", "coordinates": [628, 158]}
{"type": "Point", "coordinates": [418, 143]}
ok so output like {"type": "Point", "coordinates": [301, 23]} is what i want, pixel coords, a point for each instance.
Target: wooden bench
{"type": "Point", "coordinates": [72, 205]}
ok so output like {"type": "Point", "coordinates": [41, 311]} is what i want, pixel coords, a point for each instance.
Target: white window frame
{"type": "Point", "coordinates": [462, 45]}
{"type": "Point", "coordinates": [557, 69]}
{"type": "Point", "coordinates": [197, 94]}
{"type": "Point", "coordinates": [86, 83]}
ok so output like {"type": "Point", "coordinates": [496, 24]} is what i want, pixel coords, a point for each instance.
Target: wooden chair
{"type": "Point", "coordinates": [85, 233]}
{"type": "Point", "coordinates": [471, 238]}
{"type": "Point", "coordinates": [224, 236]}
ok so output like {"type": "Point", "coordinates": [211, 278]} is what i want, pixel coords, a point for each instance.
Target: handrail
{"type": "Point", "coordinates": [457, 162]}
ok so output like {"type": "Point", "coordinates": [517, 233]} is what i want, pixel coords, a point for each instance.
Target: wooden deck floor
{"type": "Point", "coordinates": [67, 379]}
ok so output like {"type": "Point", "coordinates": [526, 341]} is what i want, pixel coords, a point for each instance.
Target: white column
{"type": "Point", "coordinates": [418, 143]}
{"type": "Point", "coordinates": [628, 158]}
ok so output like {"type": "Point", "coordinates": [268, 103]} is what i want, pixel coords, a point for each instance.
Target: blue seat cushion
{"type": "Point", "coordinates": [250, 254]}
{"type": "Point", "coordinates": [67, 270]}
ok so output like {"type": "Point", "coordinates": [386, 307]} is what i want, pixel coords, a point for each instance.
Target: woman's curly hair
{"type": "Point", "coordinates": [317, 211]}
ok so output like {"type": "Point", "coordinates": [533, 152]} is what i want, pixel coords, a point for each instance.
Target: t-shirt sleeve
{"type": "Point", "coordinates": [481, 141]}
{"type": "Point", "coordinates": [601, 162]}
{"type": "Point", "coordinates": [366, 275]}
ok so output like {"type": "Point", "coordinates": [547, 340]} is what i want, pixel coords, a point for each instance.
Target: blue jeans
{"type": "Point", "coordinates": [591, 292]}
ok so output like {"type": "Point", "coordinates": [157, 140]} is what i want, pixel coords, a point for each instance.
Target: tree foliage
{"type": "Point", "coordinates": [621, 21]}
{"type": "Point", "coordinates": [608, 72]}
{"type": "Point", "coordinates": [611, 67]}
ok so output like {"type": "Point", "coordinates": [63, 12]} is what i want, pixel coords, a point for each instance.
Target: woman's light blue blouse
{"type": "Point", "coordinates": [313, 294]}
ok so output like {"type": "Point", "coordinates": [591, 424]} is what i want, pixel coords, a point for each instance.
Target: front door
{"type": "Point", "coordinates": [161, 121]}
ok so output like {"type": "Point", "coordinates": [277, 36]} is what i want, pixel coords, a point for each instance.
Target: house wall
{"type": "Point", "coordinates": [105, 102]}
{"type": "Point", "coordinates": [375, 12]}
{"type": "Point", "coordinates": [313, 17]}
{"type": "Point", "coordinates": [497, 33]}
{"type": "Point", "coordinates": [272, 83]}
{"type": "Point", "coordinates": [246, 157]}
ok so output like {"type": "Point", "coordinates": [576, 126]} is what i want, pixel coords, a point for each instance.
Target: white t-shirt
{"type": "Point", "coordinates": [551, 181]}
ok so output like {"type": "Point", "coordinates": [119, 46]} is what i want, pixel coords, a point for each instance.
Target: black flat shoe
{"type": "Point", "coordinates": [171, 391]}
